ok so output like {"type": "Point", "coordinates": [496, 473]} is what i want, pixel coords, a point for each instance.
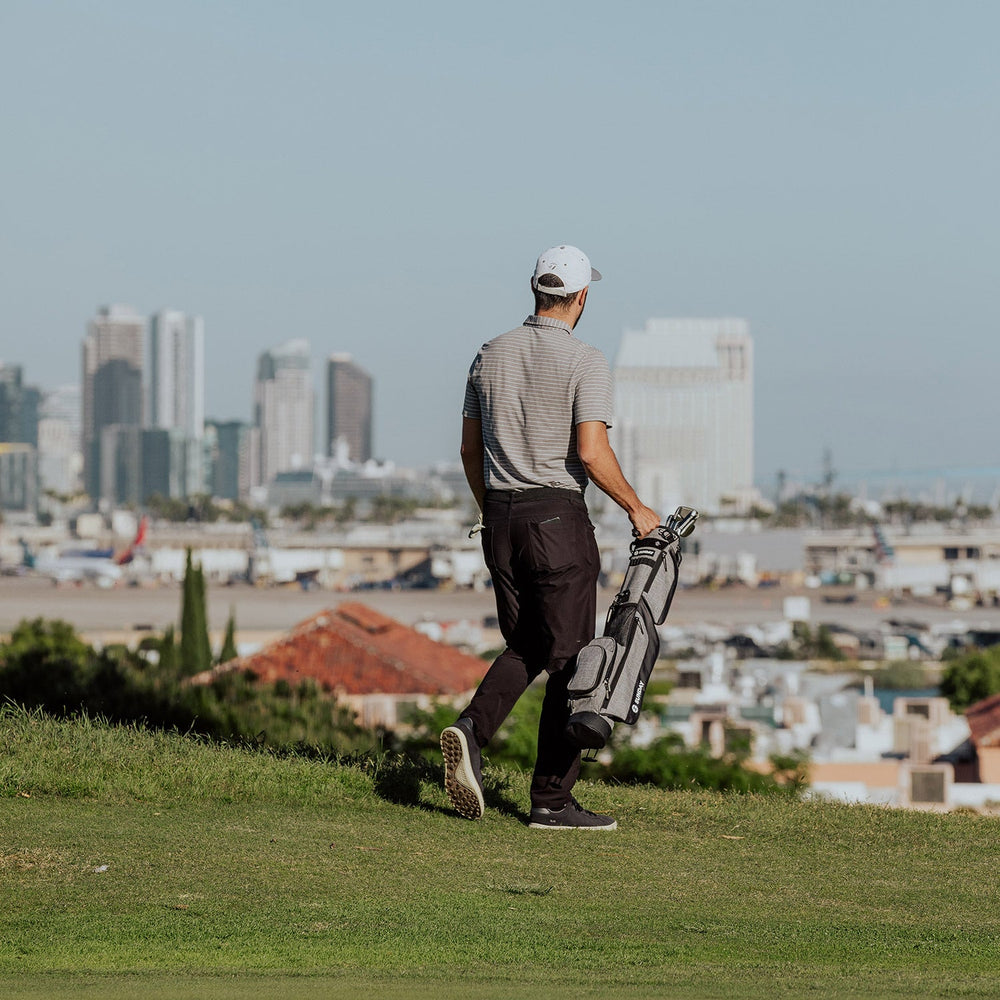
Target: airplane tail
{"type": "Point", "coordinates": [124, 558]}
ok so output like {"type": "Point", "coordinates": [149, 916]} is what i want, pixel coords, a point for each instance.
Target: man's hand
{"type": "Point", "coordinates": [644, 520]}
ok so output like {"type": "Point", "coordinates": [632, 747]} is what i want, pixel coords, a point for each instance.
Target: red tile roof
{"type": "Point", "coordinates": [354, 650]}
{"type": "Point", "coordinates": [984, 721]}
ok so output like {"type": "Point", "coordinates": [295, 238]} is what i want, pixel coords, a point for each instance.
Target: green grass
{"type": "Point", "coordinates": [232, 873]}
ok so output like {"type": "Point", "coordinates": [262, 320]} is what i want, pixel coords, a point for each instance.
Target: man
{"type": "Point", "coordinates": [535, 429]}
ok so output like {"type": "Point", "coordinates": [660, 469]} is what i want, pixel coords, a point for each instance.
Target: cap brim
{"type": "Point", "coordinates": [595, 275]}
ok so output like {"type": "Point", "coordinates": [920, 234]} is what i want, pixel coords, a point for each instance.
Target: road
{"type": "Point", "coordinates": [93, 611]}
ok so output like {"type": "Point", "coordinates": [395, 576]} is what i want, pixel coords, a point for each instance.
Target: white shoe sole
{"type": "Point", "coordinates": [550, 826]}
{"type": "Point", "coordinates": [459, 779]}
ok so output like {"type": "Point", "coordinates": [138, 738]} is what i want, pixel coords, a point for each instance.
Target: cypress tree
{"type": "Point", "coordinates": [168, 653]}
{"type": "Point", "coordinates": [204, 644]}
{"type": "Point", "coordinates": [229, 651]}
{"type": "Point", "coordinates": [188, 624]}
{"type": "Point", "coordinates": [195, 651]}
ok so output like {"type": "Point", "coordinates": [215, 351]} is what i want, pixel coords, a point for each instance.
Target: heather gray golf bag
{"type": "Point", "coordinates": [612, 671]}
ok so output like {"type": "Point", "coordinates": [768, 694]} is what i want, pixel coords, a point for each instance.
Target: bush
{"type": "Point", "coordinates": [971, 677]}
{"type": "Point", "coordinates": [668, 763]}
{"type": "Point", "coordinates": [899, 675]}
{"type": "Point", "coordinates": [45, 665]}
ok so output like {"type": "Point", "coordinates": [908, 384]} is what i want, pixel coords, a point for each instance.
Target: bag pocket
{"type": "Point", "coordinates": [593, 665]}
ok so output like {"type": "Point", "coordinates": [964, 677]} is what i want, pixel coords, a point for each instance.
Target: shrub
{"type": "Point", "coordinates": [971, 677]}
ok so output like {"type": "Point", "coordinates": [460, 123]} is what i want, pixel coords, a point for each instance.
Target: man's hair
{"type": "Point", "coordinates": [544, 302]}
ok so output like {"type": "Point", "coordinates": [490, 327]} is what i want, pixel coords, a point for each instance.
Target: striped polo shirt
{"type": "Point", "coordinates": [530, 387]}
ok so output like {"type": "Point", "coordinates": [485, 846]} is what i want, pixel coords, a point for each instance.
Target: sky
{"type": "Point", "coordinates": [379, 178]}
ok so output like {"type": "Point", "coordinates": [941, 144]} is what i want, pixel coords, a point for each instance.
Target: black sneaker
{"type": "Point", "coordinates": [572, 816]}
{"type": "Point", "coordinates": [463, 780]}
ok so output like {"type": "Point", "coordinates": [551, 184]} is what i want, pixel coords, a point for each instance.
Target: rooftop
{"type": "Point", "coordinates": [355, 650]}
{"type": "Point", "coordinates": [984, 721]}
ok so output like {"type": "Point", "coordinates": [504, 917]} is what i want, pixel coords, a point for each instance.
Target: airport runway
{"type": "Point", "coordinates": [92, 610]}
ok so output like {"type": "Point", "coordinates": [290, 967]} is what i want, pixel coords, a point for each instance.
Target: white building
{"type": "Point", "coordinates": [283, 411]}
{"type": "Point", "coordinates": [177, 372]}
{"type": "Point", "coordinates": [177, 388]}
{"type": "Point", "coordinates": [60, 455]}
{"type": "Point", "coordinates": [684, 413]}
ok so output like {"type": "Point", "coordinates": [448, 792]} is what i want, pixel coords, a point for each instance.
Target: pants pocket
{"type": "Point", "coordinates": [486, 539]}
{"type": "Point", "coordinates": [554, 544]}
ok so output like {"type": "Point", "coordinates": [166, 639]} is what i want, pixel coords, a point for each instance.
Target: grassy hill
{"type": "Point", "coordinates": [143, 863]}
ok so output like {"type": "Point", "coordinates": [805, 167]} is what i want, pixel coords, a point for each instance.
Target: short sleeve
{"type": "Point", "coordinates": [471, 407]}
{"type": "Point", "coordinates": [592, 399]}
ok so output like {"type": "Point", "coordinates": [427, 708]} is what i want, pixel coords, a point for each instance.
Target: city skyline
{"type": "Point", "coordinates": [361, 177]}
{"type": "Point", "coordinates": [971, 482]}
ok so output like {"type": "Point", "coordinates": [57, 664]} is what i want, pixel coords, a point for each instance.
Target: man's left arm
{"type": "Point", "coordinates": [472, 458]}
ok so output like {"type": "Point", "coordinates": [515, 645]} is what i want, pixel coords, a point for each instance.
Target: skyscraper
{"type": "Point", "coordinates": [348, 408]}
{"type": "Point", "coordinates": [60, 460]}
{"type": "Point", "coordinates": [228, 443]}
{"type": "Point", "coordinates": [177, 372]}
{"type": "Point", "coordinates": [684, 412]}
{"type": "Point", "coordinates": [283, 410]}
{"type": "Point", "coordinates": [18, 477]}
{"type": "Point", "coordinates": [118, 418]}
{"type": "Point", "coordinates": [115, 336]}
{"type": "Point", "coordinates": [19, 404]}
{"type": "Point", "coordinates": [177, 396]}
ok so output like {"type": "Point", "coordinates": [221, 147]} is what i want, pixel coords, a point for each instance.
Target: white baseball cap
{"type": "Point", "coordinates": [567, 263]}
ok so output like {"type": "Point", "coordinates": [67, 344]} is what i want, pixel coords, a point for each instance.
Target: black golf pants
{"type": "Point", "coordinates": [540, 550]}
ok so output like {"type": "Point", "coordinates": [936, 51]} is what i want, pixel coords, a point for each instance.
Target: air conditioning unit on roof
{"type": "Point", "coordinates": [926, 786]}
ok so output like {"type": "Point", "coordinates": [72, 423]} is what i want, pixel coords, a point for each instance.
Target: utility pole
{"type": "Point", "coordinates": [829, 473]}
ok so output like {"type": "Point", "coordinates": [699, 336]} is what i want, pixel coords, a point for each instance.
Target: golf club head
{"type": "Point", "coordinates": [682, 521]}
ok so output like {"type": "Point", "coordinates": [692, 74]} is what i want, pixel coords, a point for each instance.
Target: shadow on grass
{"type": "Point", "coordinates": [402, 778]}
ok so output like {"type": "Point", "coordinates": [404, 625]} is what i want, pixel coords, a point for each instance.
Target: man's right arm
{"type": "Point", "coordinates": [472, 458]}
{"type": "Point", "coordinates": [602, 467]}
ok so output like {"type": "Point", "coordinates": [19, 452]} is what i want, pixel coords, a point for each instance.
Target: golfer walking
{"type": "Point", "coordinates": [534, 431]}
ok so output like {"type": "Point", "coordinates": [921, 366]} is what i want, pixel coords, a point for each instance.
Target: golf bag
{"type": "Point", "coordinates": [613, 670]}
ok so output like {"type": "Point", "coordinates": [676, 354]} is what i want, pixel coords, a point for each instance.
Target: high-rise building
{"type": "Point", "coordinates": [118, 418]}
{"type": "Point", "coordinates": [283, 410]}
{"type": "Point", "coordinates": [177, 372]}
{"type": "Point", "coordinates": [156, 465]}
{"type": "Point", "coordinates": [348, 409]}
{"type": "Point", "coordinates": [18, 477]}
{"type": "Point", "coordinates": [115, 337]}
{"type": "Point", "coordinates": [60, 460]}
{"type": "Point", "coordinates": [117, 394]}
{"type": "Point", "coordinates": [19, 405]}
{"type": "Point", "coordinates": [228, 446]}
{"type": "Point", "coordinates": [177, 395]}
{"type": "Point", "coordinates": [684, 412]}
{"type": "Point", "coordinates": [121, 464]}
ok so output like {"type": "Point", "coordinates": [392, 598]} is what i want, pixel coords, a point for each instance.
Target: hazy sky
{"type": "Point", "coordinates": [378, 178]}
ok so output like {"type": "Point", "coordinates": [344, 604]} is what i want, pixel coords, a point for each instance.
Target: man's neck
{"type": "Point", "coordinates": [563, 315]}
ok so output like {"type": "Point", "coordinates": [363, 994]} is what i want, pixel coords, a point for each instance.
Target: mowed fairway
{"type": "Point", "coordinates": [137, 863]}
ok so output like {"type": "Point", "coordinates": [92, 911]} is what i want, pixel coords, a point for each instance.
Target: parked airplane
{"type": "Point", "coordinates": [100, 566]}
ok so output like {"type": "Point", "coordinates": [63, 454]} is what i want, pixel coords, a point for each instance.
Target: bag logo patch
{"type": "Point", "coordinates": [637, 700]}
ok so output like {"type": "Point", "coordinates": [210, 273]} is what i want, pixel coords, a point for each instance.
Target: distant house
{"type": "Point", "coordinates": [984, 726]}
{"type": "Point", "coordinates": [374, 665]}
